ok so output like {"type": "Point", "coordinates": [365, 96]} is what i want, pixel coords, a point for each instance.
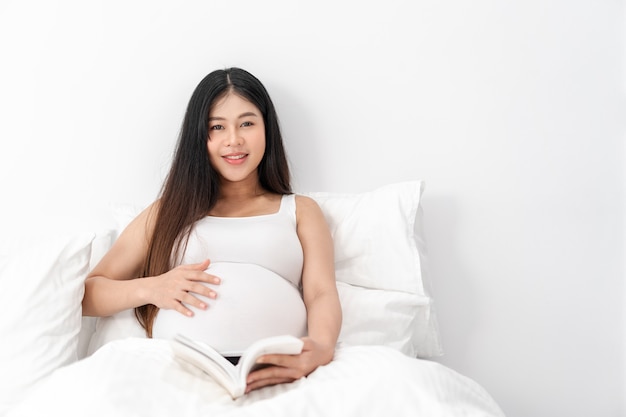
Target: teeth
{"type": "Point", "coordinates": [235, 156]}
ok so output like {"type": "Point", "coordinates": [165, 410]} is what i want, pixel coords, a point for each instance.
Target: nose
{"type": "Point", "coordinates": [234, 138]}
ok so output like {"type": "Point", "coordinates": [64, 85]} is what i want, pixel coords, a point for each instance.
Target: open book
{"type": "Point", "coordinates": [233, 377]}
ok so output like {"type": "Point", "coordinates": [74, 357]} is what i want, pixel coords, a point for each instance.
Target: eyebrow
{"type": "Point", "coordinates": [242, 115]}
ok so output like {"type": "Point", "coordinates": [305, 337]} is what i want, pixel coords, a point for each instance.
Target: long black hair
{"type": "Point", "coordinates": [191, 187]}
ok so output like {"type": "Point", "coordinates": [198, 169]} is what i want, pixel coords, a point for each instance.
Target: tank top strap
{"type": "Point", "coordinates": [288, 206]}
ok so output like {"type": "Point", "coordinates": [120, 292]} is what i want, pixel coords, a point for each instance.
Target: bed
{"type": "Point", "coordinates": [56, 362]}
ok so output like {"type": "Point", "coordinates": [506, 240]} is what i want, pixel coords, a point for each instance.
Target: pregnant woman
{"type": "Point", "coordinates": [227, 254]}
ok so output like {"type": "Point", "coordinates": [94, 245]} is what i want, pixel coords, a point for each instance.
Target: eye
{"type": "Point", "coordinates": [216, 127]}
{"type": "Point", "coordinates": [246, 124]}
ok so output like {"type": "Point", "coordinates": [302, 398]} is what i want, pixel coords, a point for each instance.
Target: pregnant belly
{"type": "Point", "coordinates": [252, 303]}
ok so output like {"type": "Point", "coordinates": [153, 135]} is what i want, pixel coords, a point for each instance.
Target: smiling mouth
{"type": "Point", "coordinates": [235, 157]}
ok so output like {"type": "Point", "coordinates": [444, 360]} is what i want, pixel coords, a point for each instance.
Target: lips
{"type": "Point", "coordinates": [235, 158]}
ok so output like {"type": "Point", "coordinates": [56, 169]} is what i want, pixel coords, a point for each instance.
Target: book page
{"type": "Point", "coordinates": [288, 345]}
{"type": "Point", "coordinates": [231, 377]}
{"type": "Point", "coordinates": [207, 359]}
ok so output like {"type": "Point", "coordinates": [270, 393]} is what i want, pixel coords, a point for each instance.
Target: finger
{"type": "Point", "coordinates": [267, 382]}
{"type": "Point", "coordinates": [201, 289]}
{"type": "Point", "coordinates": [273, 372]}
{"type": "Point", "coordinates": [204, 277]}
{"type": "Point", "coordinates": [191, 300]}
{"type": "Point", "coordinates": [279, 360]}
{"type": "Point", "coordinates": [199, 266]}
{"type": "Point", "coordinates": [178, 306]}
{"type": "Point", "coordinates": [200, 276]}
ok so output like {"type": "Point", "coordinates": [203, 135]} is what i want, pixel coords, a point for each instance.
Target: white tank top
{"type": "Point", "coordinates": [259, 260]}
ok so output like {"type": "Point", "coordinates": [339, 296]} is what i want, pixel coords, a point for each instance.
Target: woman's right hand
{"type": "Point", "coordinates": [176, 288]}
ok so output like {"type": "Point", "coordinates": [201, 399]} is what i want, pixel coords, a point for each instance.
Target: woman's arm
{"type": "Point", "coordinates": [113, 285]}
{"type": "Point", "coordinates": [320, 297]}
{"type": "Point", "coordinates": [318, 278]}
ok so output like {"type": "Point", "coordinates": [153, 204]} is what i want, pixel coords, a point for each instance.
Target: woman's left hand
{"type": "Point", "coordinates": [288, 368]}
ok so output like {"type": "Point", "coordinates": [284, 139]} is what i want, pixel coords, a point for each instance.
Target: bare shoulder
{"type": "Point", "coordinates": [307, 206]}
{"type": "Point", "coordinates": [303, 200]}
{"type": "Point", "coordinates": [313, 229]}
{"type": "Point", "coordinates": [308, 212]}
{"type": "Point", "coordinates": [143, 224]}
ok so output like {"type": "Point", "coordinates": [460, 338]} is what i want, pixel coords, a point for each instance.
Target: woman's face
{"type": "Point", "coordinates": [236, 142]}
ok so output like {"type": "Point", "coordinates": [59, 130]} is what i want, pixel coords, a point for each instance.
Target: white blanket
{"type": "Point", "coordinates": [140, 377]}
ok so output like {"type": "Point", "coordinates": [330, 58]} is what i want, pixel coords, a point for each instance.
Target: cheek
{"type": "Point", "coordinates": [260, 141]}
{"type": "Point", "coordinates": [210, 147]}
{"type": "Point", "coordinates": [211, 150]}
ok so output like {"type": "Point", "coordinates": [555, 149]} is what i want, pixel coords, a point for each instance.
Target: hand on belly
{"type": "Point", "coordinates": [253, 303]}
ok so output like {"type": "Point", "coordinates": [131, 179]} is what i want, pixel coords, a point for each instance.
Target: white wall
{"type": "Point", "coordinates": [513, 113]}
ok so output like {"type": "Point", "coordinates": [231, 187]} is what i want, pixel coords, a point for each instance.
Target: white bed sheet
{"type": "Point", "coordinates": [140, 377]}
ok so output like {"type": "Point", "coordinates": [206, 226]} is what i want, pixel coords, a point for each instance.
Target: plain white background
{"type": "Point", "coordinates": [512, 112]}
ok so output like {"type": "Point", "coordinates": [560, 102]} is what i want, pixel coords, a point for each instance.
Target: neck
{"type": "Point", "coordinates": [240, 190]}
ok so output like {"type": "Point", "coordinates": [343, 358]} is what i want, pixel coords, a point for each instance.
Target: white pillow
{"type": "Point", "coordinates": [123, 324]}
{"type": "Point", "coordinates": [118, 326]}
{"type": "Point", "coordinates": [42, 289]}
{"type": "Point", "coordinates": [380, 264]}
{"type": "Point", "coordinates": [99, 247]}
